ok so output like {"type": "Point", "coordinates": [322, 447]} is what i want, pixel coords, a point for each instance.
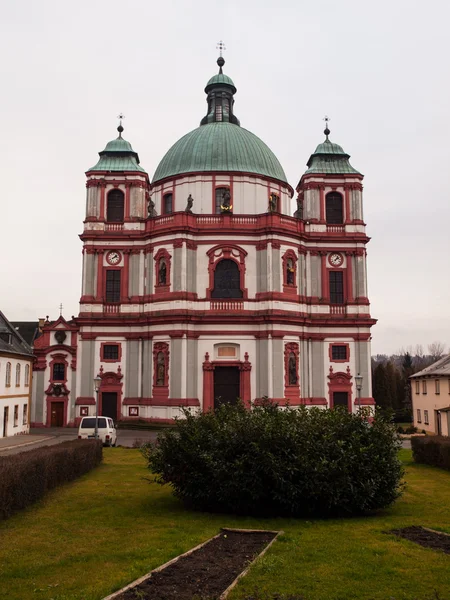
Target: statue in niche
{"type": "Point", "coordinates": [299, 212]}
{"type": "Point", "coordinates": [273, 203]}
{"type": "Point", "coordinates": [162, 275]}
{"type": "Point", "coordinates": [226, 201]}
{"type": "Point", "coordinates": [292, 369]}
{"type": "Point", "coordinates": [160, 369]}
{"type": "Point", "coordinates": [290, 271]}
{"type": "Point", "coordinates": [151, 208]}
{"type": "Point", "coordinates": [190, 202]}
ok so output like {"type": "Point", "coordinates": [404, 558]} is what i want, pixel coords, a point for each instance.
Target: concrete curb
{"type": "Point", "coordinates": [26, 444]}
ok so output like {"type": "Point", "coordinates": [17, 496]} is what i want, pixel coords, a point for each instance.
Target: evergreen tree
{"type": "Point", "coordinates": [391, 385]}
{"type": "Point", "coordinates": [380, 387]}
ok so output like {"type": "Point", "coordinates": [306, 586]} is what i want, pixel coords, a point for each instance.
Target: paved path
{"type": "Point", "coordinates": [55, 435]}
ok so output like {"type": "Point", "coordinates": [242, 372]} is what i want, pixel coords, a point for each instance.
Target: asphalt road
{"type": "Point", "coordinates": [125, 437]}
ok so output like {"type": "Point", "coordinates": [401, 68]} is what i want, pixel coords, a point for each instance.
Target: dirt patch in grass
{"type": "Point", "coordinates": [425, 537]}
{"type": "Point", "coordinates": [204, 574]}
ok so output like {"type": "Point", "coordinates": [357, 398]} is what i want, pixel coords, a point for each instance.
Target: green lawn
{"type": "Point", "coordinates": [93, 536]}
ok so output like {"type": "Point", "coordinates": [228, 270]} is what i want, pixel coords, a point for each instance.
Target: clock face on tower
{"type": "Point", "coordinates": [336, 259]}
{"type": "Point", "coordinates": [113, 257]}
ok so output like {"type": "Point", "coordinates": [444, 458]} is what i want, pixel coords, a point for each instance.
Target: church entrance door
{"type": "Point", "coordinates": [57, 417]}
{"type": "Point", "coordinates": [109, 405]}
{"type": "Point", "coordinates": [227, 388]}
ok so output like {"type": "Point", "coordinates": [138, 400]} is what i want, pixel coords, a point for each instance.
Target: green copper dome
{"type": "Point", "coordinates": [220, 143]}
{"type": "Point", "coordinates": [330, 158]}
{"type": "Point", "coordinates": [118, 155]}
{"type": "Point", "coordinates": [220, 147]}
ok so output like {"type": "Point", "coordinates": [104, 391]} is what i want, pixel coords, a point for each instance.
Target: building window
{"type": "Point", "coordinates": [25, 414]}
{"type": "Point", "coordinates": [133, 411]}
{"type": "Point", "coordinates": [417, 386]}
{"type": "Point", "coordinates": [6, 337]}
{"type": "Point", "coordinates": [59, 371]}
{"type": "Point", "coordinates": [218, 112]}
{"type": "Point", "coordinates": [424, 387]}
{"type": "Point", "coordinates": [16, 415]}
{"type": "Point", "coordinates": [274, 202]}
{"type": "Point", "coordinates": [336, 287]}
{"type": "Point", "coordinates": [17, 375]}
{"type": "Point", "coordinates": [8, 375]}
{"type": "Point", "coordinates": [227, 280]}
{"type": "Point", "coordinates": [339, 352]}
{"type": "Point", "coordinates": [27, 375]}
{"type": "Point", "coordinates": [334, 208]}
{"type": "Point", "coordinates": [111, 352]}
{"type": "Point", "coordinates": [112, 286]}
{"type": "Point", "coordinates": [167, 204]}
{"type": "Point", "coordinates": [419, 416]}
{"type": "Point", "coordinates": [221, 193]}
{"type": "Point", "coordinates": [425, 417]}
{"type": "Point", "coordinates": [437, 385]}
{"type": "Point", "coordinates": [115, 206]}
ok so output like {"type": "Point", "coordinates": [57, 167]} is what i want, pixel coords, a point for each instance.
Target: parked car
{"type": "Point", "coordinates": [106, 430]}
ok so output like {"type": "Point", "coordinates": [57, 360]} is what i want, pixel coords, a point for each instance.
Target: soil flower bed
{"type": "Point", "coordinates": [204, 574]}
{"type": "Point", "coordinates": [425, 537]}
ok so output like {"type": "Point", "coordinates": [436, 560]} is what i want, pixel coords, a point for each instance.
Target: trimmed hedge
{"type": "Point", "coordinates": [432, 450]}
{"type": "Point", "coordinates": [289, 462]}
{"type": "Point", "coordinates": [28, 476]}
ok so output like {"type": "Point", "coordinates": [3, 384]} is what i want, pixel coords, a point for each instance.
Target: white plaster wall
{"type": "Point", "coordinates": [250, 195]}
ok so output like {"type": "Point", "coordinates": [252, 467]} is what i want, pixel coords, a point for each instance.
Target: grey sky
{"type": "Point", "coordinates": [380, 70]}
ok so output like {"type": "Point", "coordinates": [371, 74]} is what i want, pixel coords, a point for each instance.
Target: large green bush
{"type": "Point", "coordinates": [272, 461]}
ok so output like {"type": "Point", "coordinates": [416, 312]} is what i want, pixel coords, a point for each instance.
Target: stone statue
{"type": "Point", "coordinates": [162, 276]}
{"type": "Point", "coordinates": [290, 271]}
{"type": "Point", "coordinates": [273, 202]}
{"type": "Point", "coordinates": [299, 212]}
{"type": "Point", "coordinates": [160, 369]}
{"type": "Point", "coordinates": [190, 202]}
{"type": "Point", "coordinates": [292, 369]}
{"type": "Point", "coordinates": [151, 208]}
{"type": "Point", "coordinates": [226, 201]}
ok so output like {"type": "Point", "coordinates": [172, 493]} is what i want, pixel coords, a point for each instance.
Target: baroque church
{"type": "Point", "coordinates": [203, 285]}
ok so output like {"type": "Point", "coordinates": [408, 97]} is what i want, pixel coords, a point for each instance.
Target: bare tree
{"type": "Point", "coordinates": [436, 350]}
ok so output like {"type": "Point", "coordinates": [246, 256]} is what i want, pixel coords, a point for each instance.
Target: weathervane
{"type": "Point", "coordinates": [221, 47]}
{"type": "Point", "coordinates": [327, 130]}
{"type": "Point", "coordinates": [120, 116]}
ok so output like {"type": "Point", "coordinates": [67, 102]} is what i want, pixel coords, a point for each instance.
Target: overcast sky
{"type": "Point", "coordinates": [380, 70]}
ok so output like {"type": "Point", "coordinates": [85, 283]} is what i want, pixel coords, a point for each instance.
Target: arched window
{"type": "Point", "coordinates": [17, 375]}
{"type": "Point", "coordinates": [167, 204]}
{"type": "Point", "coordinates": [8, 375]}
{"type": "Point", "coordinates": [334, 208]}
{"type": "Point", "coordinates": [27, 375]}
{"type": "Point", "coordinates": [115, 206]}
{"type": "Point", "coordinates": [221, 196]}
{"type": "Point", "coordinates": [59, 371]}
{"type": "Point", "coordinates": [227, 280]}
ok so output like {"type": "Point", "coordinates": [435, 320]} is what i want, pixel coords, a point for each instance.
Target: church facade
{"type": "Point", "coordinates": [204, 285]}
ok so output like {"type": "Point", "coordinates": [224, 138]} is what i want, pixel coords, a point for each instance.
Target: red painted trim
{"type": "Point", "coordinates": [340, 382]}
{"type": "Point", "coordinates": [365, 401]}
{"type": "Point", "coordinates": [102, 185]}
{"type": "Point", "coordinates": [347, 204]}
{"type": "Point", "coordinates": [85, 400]}
{"type": "Point", "coordinates": [321, 187]}
{"type": "Point", "coordinates": [325, 281]}
{"type": "Point", "coordinates": [164, 193]}
{"type": "Point", "coordinates": [162, 256]}
{"type": "Point", "coordinates": [127, 200]}
{"type": "Point", "coordinates": [349, 273]}
{"type": "Point", "coordinates": [289, 257]}
{"type": "Point", "coordinates": [161, 402]}
{"type": "Point", "coordinates": [245, 368]}
{"type": "Point", "coordinates": [110, 360]}
{"type": "Point", "coordinates": [335, 360]}
{"type": "Point", "coordinates": [230, 252]}
{"type": "Point", "coordinates": [111, 382]}
{"type": "Point", "coordinates": [100, 295]}
{"type": "Point", "coordinates": [125, 278]}
{"type": "Point", "coordinates": [58, 358]}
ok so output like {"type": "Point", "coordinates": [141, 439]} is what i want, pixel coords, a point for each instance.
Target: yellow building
{"type": "Point", "coordinates": [430, 390]}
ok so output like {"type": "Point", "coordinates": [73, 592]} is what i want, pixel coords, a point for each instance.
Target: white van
{"type": "Point", "coordinates": [106, 430]}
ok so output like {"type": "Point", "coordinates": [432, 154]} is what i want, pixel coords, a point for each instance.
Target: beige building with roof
{"type": "Point", "coordinates": [430, 392]}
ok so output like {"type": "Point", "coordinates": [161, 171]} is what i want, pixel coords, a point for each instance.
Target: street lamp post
{"type": "Point", "coordinates": [359, 380]}
{"type": "Point", "coordinates": [97, 383]}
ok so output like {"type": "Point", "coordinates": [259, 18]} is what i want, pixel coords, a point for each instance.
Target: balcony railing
{"type": "Point", "coordinates": [335, 228]}
{"type": "Point", "coordinates": [338, 309]}
{"type": "Point", "coordinates": [113, 226]}
{"type": "Point", "coordinates": [226, 305]}
{"type": "Point", "coordinates": [111, 309]}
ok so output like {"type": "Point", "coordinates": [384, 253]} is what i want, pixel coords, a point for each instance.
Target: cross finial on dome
{"type": "Point", "coordinates": [326, 130]}
{"type": "Point", "coordinates": [120, 116]}
{"type": "Point", "coordinates": [220, 61]}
